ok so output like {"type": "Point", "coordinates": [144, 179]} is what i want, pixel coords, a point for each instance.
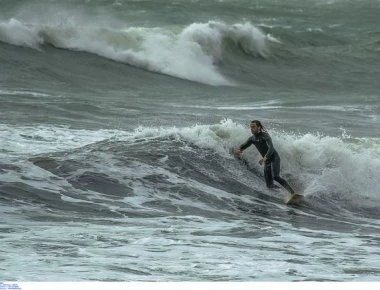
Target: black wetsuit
{"type": "Point", "coordinates": [264, 145]}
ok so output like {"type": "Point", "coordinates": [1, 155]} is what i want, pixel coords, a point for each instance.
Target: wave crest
{"type": "Point", "coordinates": [191, 53]}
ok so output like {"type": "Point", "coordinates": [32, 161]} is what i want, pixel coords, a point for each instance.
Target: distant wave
{"type": "Point", "coordinates": [191, 52]}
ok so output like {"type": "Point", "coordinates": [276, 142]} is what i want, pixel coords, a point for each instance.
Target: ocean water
{"type": "Point", "coordinates": [117, 119]}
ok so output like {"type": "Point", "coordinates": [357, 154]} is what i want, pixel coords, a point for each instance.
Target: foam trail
{"type": "Point", "coordinates": [30, 140]}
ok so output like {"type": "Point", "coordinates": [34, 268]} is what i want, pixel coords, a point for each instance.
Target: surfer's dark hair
{"type": "Point", "coordinates": [258, 123]}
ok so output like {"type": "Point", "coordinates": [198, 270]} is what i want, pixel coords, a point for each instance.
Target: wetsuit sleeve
{"type": "Point", "coordinates": [268, 139]}
{"type": "Point", "coordinates": [246, 144]}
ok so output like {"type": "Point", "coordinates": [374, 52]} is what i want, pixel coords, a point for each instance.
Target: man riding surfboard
{"type": "Point", "coordinates": [270, 158]}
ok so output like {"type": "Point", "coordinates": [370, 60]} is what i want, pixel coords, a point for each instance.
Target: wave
{"type": "Point", "coordinates": [190, 53]}
{"type": "Point", "coordinates": [339, 170]}
{"type": "Point", "coordinates": [320, 164]}
{"type": "Point", "coordinates": [282, 52]}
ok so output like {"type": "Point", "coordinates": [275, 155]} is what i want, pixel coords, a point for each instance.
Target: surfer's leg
{"type": "Point", "coordinates": [268, 174]}
{"type": "Point", "coordinates": [276, 172]}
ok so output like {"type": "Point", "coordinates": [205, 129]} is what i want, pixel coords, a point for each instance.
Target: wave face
{"type": "Point", "coordinates": [328, 170]}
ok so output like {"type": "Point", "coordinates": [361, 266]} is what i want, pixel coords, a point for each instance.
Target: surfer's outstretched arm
{"type": "Point", "coordinates": [244, 146]}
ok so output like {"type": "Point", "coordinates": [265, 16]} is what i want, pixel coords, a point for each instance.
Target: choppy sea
{"type": "Point", "coordinates": [116, 123]}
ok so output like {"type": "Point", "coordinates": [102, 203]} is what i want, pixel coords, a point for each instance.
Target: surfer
{"type": "Point", "coordinates": [270, 158]}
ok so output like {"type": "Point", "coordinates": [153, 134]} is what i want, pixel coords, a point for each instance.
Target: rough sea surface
{"type": "Point", "coordinates": [116, 124]}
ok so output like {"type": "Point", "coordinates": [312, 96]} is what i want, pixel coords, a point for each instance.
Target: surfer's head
{"type": "Point", "coordinates": [256, 127]}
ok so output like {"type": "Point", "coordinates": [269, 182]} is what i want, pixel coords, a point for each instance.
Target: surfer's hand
{"type": "Point", "coordinates": [238, 152]}
{"type": "Point", "coordinates": [261, 161]}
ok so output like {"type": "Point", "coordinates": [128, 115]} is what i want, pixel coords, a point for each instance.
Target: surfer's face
{"type": "Point", "coordinates": [255, 129]}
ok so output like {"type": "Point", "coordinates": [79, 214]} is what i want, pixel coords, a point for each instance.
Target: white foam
{"type": "Point", "coordinates": [23, 93]}
{"type": "Point", "coordinates": [16, 33]}
{"type": "Point", "coordinates": [30, 140]}
{"type": "Point", "coordinates": [348, 166]}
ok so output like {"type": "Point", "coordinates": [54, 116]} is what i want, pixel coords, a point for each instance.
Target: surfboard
{"type": "Point", "coordinates": [293, 199]}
